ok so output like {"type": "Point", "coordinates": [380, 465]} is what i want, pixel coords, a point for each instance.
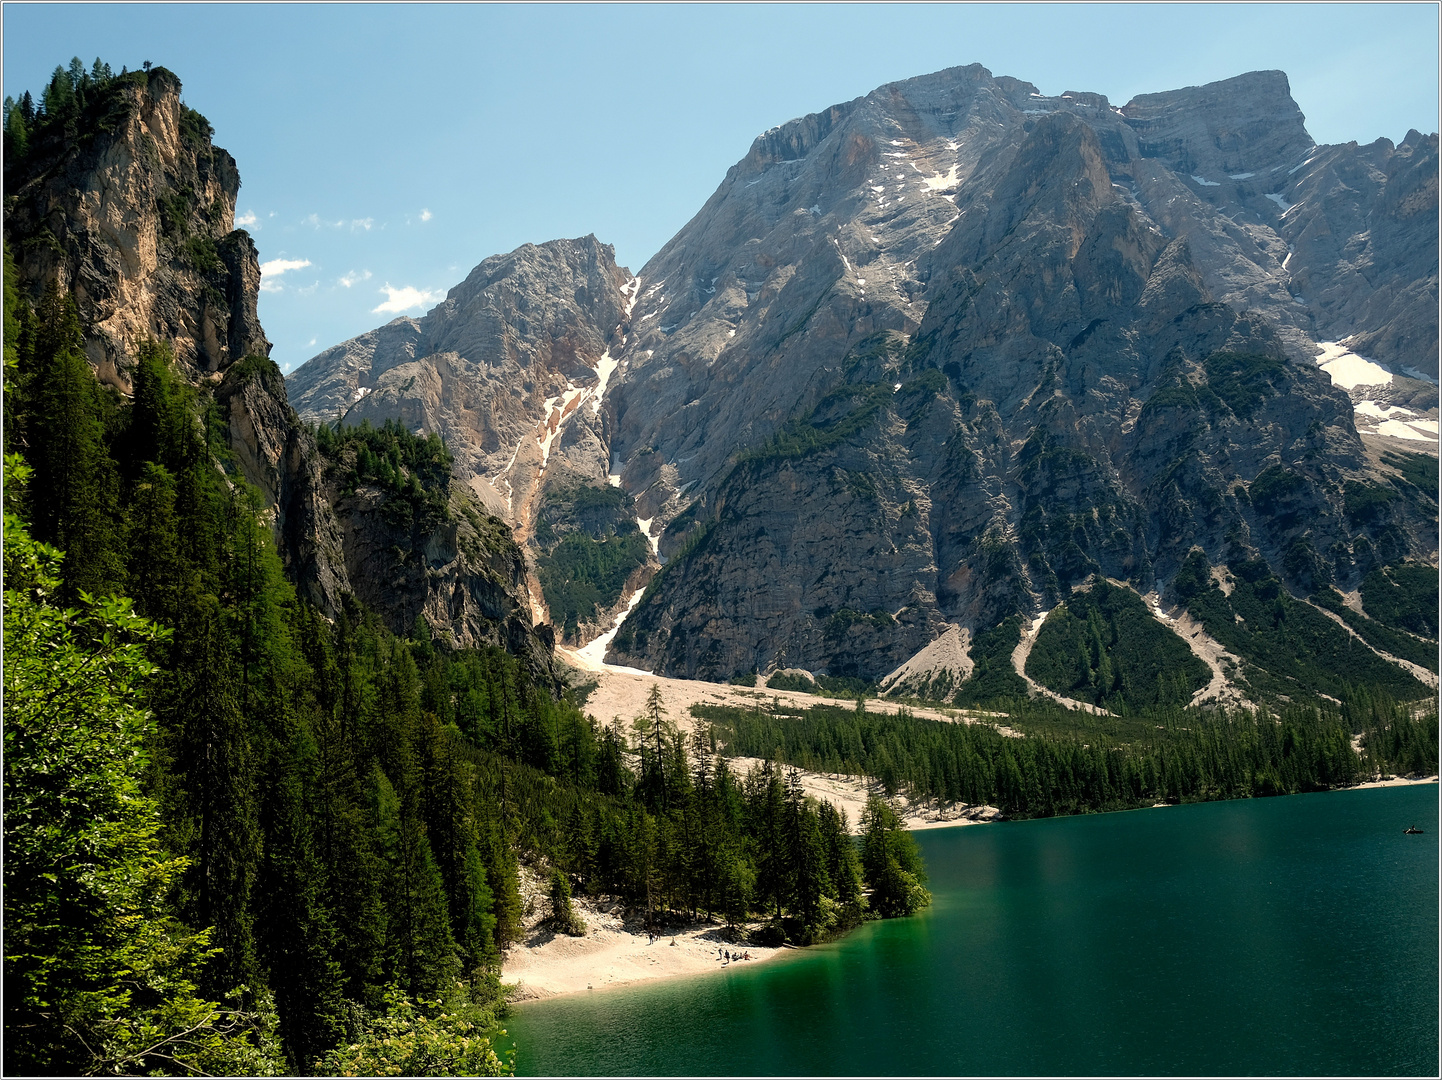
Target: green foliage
{"type": "Point", "coordinates": [1274, 484]}
{"type": "Point", "coordinates": [564, 919]}
{"type": "Point", "coordinates": [421, 1038]}
{"type": "Point", "coordinates": [1419, 477]}
{"type": "Point", "coordinates": [1103, 647]}
{"type": "Point", "coordinates": [850, 409]}
{"type": "Point", "coordinates": [1244, 380]}
{"type": "Point", "coordinates": [1403, 596]}
{"type": "Point", "coordinates": [783, 681]}
{"type": "Point", "coordinates": [582, 574]}
{"type": "Point", "coordinates": [746, 679]}
{"type": "Point", "coordinates": [599, 512]}
{"type": "Point", "coordinates": [891, 863]}
{"type": "Point", "coordinates": [414, 470]}
{"type": "Point", "coordinates": [200, 252]}
{"type": "Point", "coordinates": [993, 677]}
{"type": "Point", "coordinates": [1295, 652]}
{"type": "Point", "coordinates": [1396, 642]}
{"type": "Point", "coordinates": [99, 976]}
{"type": "Point", "coordinates": [1071, 762]}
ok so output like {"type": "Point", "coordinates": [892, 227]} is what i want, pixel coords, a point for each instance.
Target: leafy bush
{"type": "Point", "coordinates": [419, 1039]}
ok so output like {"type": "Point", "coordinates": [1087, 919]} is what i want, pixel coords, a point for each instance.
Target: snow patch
{"type": "Point", "coordinates": [1347, 369]}
{"type": "Point", "coordinates": [1240, 175]}
{"type": "Point", "coordinates": [593, 655]}
{"type": "Point", "coordinates": [1203, 182]}
{"type": "Point", "coordinates": [614, 479]}
{"type": "Point", "coordinates": [604, 367]}
{"type": "Point", "coordinates": [1399, 430]}
{"type": "Point", "coordinates": [358, 393]}
{"type": "Point", "coordinates": [941, 183]}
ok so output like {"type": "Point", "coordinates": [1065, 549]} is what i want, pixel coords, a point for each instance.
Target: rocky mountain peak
{"type": "Point", "coordinates": [932, 357]}
{"type": "Point", "coordinates": [137, 220]}
{"type": "Point", "coordinates": [1244, 124]}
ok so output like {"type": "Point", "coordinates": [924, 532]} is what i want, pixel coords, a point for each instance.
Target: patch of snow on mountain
{"type": "Point", "coordinates": [1399, 430]}
{"type": "Point", "coordinates": [1203, 182]}
{"type": "Point", "coordinates": [604, 367]}
{"type": "Point", "coordinates": [1240, 176]}
{"type": "Point", "coordinates": [358, 393]}
{"type": "Point", "coordinates": [1347, 369]}
{"type": "Point", "coordinates": [1283, 203]}
{"type": "Point", "coordinates": [942, 183]}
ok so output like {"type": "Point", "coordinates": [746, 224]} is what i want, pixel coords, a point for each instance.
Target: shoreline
{"type": "Point", "coordinates": [617, 952]}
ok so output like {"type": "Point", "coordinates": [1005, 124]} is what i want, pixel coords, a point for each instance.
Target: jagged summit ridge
{"type": "Point", "coordinates": [936, 354]}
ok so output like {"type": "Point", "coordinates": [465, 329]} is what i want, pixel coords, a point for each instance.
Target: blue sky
{"type": "Point", "coordinates": [385, 150]}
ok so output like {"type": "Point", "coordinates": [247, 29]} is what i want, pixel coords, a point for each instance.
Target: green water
{"type": "Point", "coordinates": [1294, 935]}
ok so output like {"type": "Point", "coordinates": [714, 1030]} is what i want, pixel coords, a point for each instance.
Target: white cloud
{"type": "Point", "coordinates": [362, 223]}
{"type": "Point", "coordinates": [276, 267]}
{"type": "Point", "coordinates": [246, 220]}
{"type": "Point", "coordinates": [269, 286]}
{"type": "Point", "coordinates": [312, 341]}
{"type": "Point", "coordinates": [313, 220]}
{"type": "Point", "coordinates": [352, 277]}
{"type": "Point", "coordinates": [310, 289]}
{"type": "Point", "coordinates": [426, 215]}
{"type": "Point", "coordinates": [398, 300]}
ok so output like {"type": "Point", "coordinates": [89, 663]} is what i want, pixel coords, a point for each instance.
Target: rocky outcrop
{"type": "Point", "coordinates": [136, 217]}
{"type": "Point", "coordinates": [130, 207]}
{"type": "Point", "coordinates": [1074, 399]}
{"type": "Point", "coordinates": [511, 370]}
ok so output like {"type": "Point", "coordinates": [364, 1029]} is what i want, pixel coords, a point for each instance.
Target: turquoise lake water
{"type": "Point", "coordinates": [1294, 935]}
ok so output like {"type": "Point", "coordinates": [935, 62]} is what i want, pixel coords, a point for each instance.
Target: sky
{"type": "Point", "coordinates": [385, 150]}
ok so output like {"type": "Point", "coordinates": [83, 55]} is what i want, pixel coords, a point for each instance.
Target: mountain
{"type": "Point", "coordinates": [125, 202]}
{"type": "Point", "coordinates": [942, 354]}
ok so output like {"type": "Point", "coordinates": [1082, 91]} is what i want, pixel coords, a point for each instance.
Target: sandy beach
{"type": "Point", "coordinates": [616, 953]}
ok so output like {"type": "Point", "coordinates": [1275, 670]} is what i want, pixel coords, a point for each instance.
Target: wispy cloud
{"type": "Point", "coordinates": [247, 220]}
{"type": "Point", "coordinates": [276, 267]}
{"type": "Point", "coordinates": [404, 299]}
{"type": "Point", "coordinates": [362, 223]}
{"type": "Point", "coordinates": [313, 220]}
{"type": "Point", "coordinates": [270, 271]}
{"type": "Point", "coordinates": [352, 277]}
{"type": "Point", "coordinates": [426, 215]}
{"type": "Point", "coordinates": [308, 290]}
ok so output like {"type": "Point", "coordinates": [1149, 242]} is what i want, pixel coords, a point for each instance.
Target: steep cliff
{"type": "Point", "coordinates": [123, 200]}
{"type": "Point", "coordinates": [1090, 363]}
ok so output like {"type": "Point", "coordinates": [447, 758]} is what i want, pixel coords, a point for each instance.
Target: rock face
{"type": "Point", "coordinates": [510, 370]}
{"type": "Point", "coordinates": [972, 345]}
{"type": "Point", "coordinates": [137, 220]}
{"type": "Point", "coordinates": [133, 211]}
{"type": "Point", "coordinates": [932, 357]}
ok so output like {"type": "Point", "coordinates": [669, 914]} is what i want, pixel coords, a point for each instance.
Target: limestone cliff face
{"type": "Point", "coordinates": [1074, 397]}
{"type": "Point", "coordinates": [511, 370]}
{"type": "Point", "coordinates": [131, 209]}
{"type": "Point", "coordinates": [135, 215]}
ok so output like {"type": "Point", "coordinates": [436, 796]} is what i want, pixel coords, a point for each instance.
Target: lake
{"type": "Point", "coordinates": [1292, 935]}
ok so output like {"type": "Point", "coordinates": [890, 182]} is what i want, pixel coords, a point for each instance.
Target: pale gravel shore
{"type": "Point", "coordinates": [1396, 781]}
{"type": "Point", "coordinates": [615, 953]}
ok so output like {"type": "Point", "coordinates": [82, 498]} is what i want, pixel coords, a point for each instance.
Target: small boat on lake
{"type": "Point", "coordinates": [1413, 829]}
